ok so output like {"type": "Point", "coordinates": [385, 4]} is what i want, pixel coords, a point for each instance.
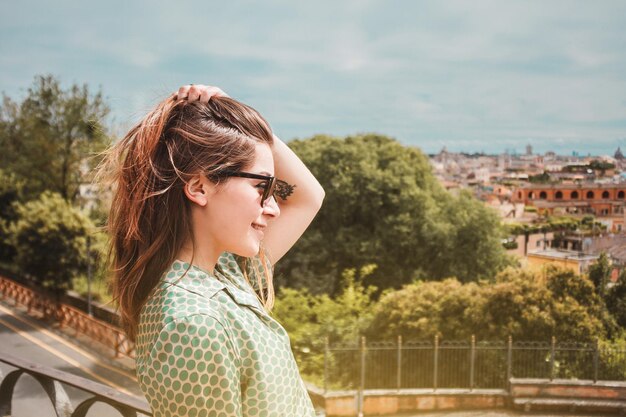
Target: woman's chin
{"type": "Point", "coordinates": [250, 250]}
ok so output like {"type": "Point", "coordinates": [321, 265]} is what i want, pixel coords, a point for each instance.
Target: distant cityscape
{"type": "Point", "coordinates": [528, 189]}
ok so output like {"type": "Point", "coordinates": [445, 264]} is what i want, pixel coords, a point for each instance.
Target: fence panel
{"type": "Point", "coordinates": [531, 360]}
{"type": "Point", "coordinates": [344, 367]}
{"type": "Point", "coordinates": [574, 361]}
{"type": "Point", "coordinates": [417, 365]}
{"type": "Point", "coordinates": [490, 365]}
{"type": "Point", "coordinates": [454, 365]}
{"type": "Point", "coordinates": [463, 364]}
{"type": "Point", "coordinates": [381, 365]}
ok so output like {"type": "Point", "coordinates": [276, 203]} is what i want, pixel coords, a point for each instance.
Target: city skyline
{"type": "Point", "coordinates": [480, 76]}
{"type": "Point", "coordinates": [521, 150]}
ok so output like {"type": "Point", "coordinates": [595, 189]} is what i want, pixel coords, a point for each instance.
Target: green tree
{"type": "Point", "coordinates": [526, 305]}
{"type": "Point", "coordinates": [50, 240]}
{"type": "Point", "coordinates": [384, 206]}
{"type": "Point", "coordinates": [309, 319]}
{"type": "Point", "coordinates": [422, 310]}
{"type": "Point", "coordinates": [11, 192]}
{"type": "Point", "coordinates": [471, 248]}
{"type": "Point", "coordinates": [599, 273]}
{"type": "Point", "coordinates": [46, 138]}
{"type": "Point", "coordinates": [577, 307]}
{"type": "Point", "coordinates": [542, 178]}
{"type": "Point", "coordinates": [616, 300]}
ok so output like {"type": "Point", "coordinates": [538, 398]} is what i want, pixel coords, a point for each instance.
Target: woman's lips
{"type": "Point", "coordinates": [259, 228]}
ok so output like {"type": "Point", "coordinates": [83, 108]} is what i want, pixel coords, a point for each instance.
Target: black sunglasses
{"type": "Point", "coordinates": [272, 187]}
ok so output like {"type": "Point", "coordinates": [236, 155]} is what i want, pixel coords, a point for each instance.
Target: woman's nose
{"type": "Point", "coordinates": [271, 207]}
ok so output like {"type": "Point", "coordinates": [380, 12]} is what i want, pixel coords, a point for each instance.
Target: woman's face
{"type": "Point", "coordinates": [234, 218]}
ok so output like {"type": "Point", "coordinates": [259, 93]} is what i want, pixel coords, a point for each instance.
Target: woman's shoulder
{"type": "Point", "coordinates": [183, 290]}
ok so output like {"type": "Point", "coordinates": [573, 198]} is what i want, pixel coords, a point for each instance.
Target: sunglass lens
{"type": "Point", "coordinates": [269, 190]}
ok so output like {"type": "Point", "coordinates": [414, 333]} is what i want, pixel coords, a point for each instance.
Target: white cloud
{"type": "Point", "coordinates": [481, 72]}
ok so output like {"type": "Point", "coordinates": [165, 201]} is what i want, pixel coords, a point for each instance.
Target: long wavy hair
{"type": "Point", "coordinates": [150, 217]}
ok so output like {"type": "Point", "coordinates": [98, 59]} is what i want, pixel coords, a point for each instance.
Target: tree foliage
{"type": "Point", "coordinates": [50, 240]}
{"type": "Point", "coordinates": [600, 273]}
{"type": "Point", "coordinates": [46, 138]}
{"type": "Point", "coordinates": [11, 192]}
{"type": "Point", "coordinates": [542, 178]}
{"type": "Point", "coordinates": [526, 305]}
{"type": "Point", "coordinates": [383, 206]}
{"type": "Point", "coordinates": [616, 301]}
{"type": "Point", "coordinates": [309, 319]}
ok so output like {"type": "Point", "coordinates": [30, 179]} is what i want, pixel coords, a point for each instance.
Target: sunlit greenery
{"type": "Point", "coordinates": [384, 206]}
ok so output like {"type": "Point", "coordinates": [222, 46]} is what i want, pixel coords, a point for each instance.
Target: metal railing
{"type": "Point", "coordinates": [68, 316]}
{"type": "Point", "coordinates": [53, 382]}
{"type": "Point", "coordinates": [464, 364]}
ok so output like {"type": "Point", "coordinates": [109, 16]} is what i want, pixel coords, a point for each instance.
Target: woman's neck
{"type": "Point", "coordinates": [204, 259]}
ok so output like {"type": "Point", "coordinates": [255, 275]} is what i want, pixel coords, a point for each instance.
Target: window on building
{"type": "Point", "coordinates": [605, 194]}
{"type": "Point", "coordinates": [543, 195]}
{"type": "Point", "coordinates": [590, 195]}
{"type": "Point", "coordinates": [574, 195]}
{"type": "Point", "coordinates": [558, 195]}
{"type": "Point", "coordinates": [620, 194]}
{"type": "Point", "coordinates": [531, 195]}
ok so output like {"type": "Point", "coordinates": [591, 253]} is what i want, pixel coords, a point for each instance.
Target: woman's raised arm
{"type": "Point", "coordinates": [297, 211]}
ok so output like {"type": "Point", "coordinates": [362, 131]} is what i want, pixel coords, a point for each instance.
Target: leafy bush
{"type": "Point", "coordinates": [309, 318]}
{"type": "Point", "coordinates": [50, 240]}
{"type": "Point", "coordinates": [100, 285]}
{"type": "Point", "coordinates": [11, 192]}
{"type": "Point", "coordinates": [616, 300]}
{"type": "Point", "coordinates": [526, 305]}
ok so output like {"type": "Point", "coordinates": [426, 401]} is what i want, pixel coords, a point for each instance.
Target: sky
{"type": "Point", "coordinates": [474, 76]}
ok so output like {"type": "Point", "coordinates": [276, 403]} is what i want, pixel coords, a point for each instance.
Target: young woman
{"type": "Point", "coordinates": [205, 201]}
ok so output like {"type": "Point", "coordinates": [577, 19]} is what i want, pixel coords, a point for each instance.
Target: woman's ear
{"type": "Point", "coordinates": [198, 190]}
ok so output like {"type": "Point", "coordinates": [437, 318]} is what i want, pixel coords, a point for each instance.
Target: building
{"type": "Point", "coordinates": [605, 201]}
{"type": "Point", "coordinates": [576, 261]}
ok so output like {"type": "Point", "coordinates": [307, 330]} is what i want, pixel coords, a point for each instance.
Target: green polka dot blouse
{"type": "Point", "coordinates": [207, 347]}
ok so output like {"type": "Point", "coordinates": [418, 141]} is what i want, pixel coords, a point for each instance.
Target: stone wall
{"type": "Point", "coordinates": [608, 397]}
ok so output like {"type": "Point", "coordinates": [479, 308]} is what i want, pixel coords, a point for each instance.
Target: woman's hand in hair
{"type": "Point", "coordinates": [203, 93]}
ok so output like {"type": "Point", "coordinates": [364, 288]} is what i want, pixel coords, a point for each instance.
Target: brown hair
{"type": "Point", "coordinates": [150, 216]}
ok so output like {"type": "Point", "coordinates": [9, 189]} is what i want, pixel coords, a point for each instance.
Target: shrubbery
{"type": "Point", "coordinates": [11, 192]}
{"type": "Point", "coordinates": [310, 319]}
{"type": "Point", "coordinates": [49, 238]}
{"type": "Point", "coordinates": [529, 306]}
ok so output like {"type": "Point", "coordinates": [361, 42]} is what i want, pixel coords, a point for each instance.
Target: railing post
{"type": "Point", "coordinates": [435, 362]}
{"type": "Point", "coordinates": [118, 343]}
{"type": "Point", "coordinates": [399, 373]}
{"type": "Point", "coordinates": [326, 357]}
{"type": "Point", "coordinates": [509, 362]}
{"type": "Point", "coordinates": [472, 360]}
{"type": "Point", "coordinates": [362, 385]}
{"type": "Point", "coordinates": [552, 354]}
{"type": "Point", "coordinates": [596, 360]}
{"type": "Point", "coordinates": [89, 301]}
